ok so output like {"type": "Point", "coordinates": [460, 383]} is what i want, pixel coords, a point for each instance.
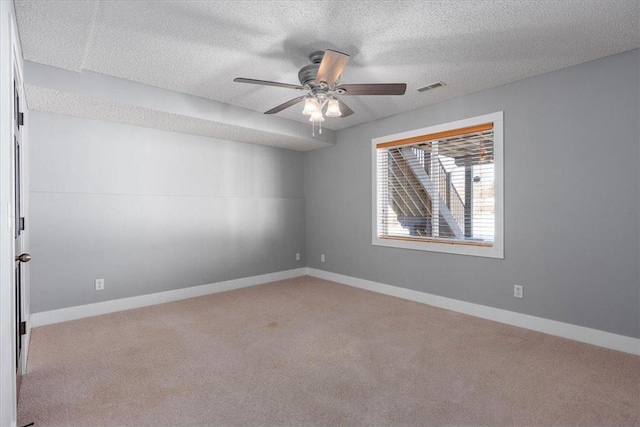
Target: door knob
{"type": "Point", "coordinates": [23, 258]}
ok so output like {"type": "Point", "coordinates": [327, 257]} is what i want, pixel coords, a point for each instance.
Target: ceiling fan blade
{"type": "Point", "coordinates": [286, 105]}
{"type": "Point", "coordinates": [344, 109]}
{"type": "Point", "coordinates": [267, 83]}
{"type": "Point", "coordinates": [373, 89]}
{"type": "Point", "coordinates": [333, 62]}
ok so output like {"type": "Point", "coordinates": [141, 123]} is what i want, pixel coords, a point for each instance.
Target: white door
{"type": "Point", "coordinates": [19, 225]}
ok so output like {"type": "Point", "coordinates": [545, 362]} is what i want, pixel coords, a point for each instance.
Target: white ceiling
{"type": "Point", "coordinates": [198, 48]}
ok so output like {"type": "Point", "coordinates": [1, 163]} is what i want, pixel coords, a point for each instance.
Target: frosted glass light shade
{"type": "Point", "coordinates": [310, 106]}
{"type": "Point", "coordinates": [333, 108]}
{"type": "Point", "coordinates": [316, 117]}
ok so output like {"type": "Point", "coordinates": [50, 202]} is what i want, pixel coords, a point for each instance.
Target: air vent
{"type": "Point", "coordinates": [431, 86]}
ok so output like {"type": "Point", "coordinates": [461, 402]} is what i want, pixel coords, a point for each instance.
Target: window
{"type": "Point", "coordinates": [441, 188]}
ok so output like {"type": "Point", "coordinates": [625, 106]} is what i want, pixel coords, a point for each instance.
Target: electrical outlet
{"type": "Point", "coordinates": [99, 285]}
{"type": "Point", "coordinates": [322, 258]}
{"type": "Point", "coordinates": [298, 256]}
{"type": "Point", "coordinates": [518, 291]}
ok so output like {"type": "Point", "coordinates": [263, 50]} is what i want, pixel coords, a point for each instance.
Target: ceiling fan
{"type": "Point", "coordinates": [320, 82]}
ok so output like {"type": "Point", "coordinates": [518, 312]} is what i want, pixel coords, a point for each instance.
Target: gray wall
{"type": "Point", "coordinates": [571, 200]}
{"type": "Point", "coordinates": [151, 211]}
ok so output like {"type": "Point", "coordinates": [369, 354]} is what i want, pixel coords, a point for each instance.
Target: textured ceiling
{"type": "Point", "coordinates": [45, 99]}
{"type": "Point", "coordinates": [198, 48]}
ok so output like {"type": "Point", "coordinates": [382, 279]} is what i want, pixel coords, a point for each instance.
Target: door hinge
{"type": "Point", "coordinates": [23, 328]}
{"type": "Point", "coordinates": [21, 223]}
{"type": "Point", "coordinates": [20, 119]}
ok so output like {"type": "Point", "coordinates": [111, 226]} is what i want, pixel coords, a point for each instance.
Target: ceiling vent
{"type": "Point", "coordinates": [431, 86]}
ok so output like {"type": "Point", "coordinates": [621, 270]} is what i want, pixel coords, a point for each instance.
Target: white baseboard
{"type": "Point", "coordinates": [552, 327]}
{"type": "Point", "coordinates": [96, 309]}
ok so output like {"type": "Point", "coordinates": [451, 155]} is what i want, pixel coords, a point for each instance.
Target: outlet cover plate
{"type": "Point", "coordinates": [518, 291]}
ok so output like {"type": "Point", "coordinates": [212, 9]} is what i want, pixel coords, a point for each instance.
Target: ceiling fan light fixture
{"type": "Point", "coordinates": [333, 108]}
{"type": "Point", "coordinates": [310, 106]}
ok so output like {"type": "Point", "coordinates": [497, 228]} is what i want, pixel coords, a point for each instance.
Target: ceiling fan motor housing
{"type": "Point", "coordinates": [307, 74]}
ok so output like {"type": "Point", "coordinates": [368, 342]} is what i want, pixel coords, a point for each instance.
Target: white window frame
{"type": "Point", "coordinates": [495, 251]}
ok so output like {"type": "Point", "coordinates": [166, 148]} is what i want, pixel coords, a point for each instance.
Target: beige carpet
{"type": "Point", "coordinates": [306, 352]}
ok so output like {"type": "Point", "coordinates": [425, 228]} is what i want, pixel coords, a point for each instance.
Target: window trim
{"type": "Point", "coordinates": [459, 248]}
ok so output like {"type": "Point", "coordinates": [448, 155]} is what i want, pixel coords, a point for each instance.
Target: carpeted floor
{"type": "Point", "coordinates": [305, 352]}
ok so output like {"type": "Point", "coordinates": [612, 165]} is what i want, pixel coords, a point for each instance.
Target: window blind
{"type": "Point", "coordinates": [438, 187]}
